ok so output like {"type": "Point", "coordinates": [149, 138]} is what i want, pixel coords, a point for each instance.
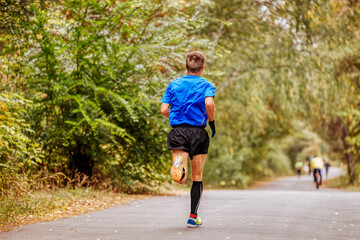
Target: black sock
{"type": "Point", "coordinates": [195, 195]}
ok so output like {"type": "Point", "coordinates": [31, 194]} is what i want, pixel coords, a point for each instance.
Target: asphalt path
{"type": "Point", "coordinates": [289, 208]}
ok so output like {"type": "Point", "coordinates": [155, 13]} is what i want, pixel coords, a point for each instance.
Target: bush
{"type": "Point", "coordinates": [19, 154]}
{"type": "Point", "coordinates": [94, 71]}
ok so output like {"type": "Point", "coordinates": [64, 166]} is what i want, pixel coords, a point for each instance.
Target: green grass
{"type": "Point", "coordinates": [343, 183]}
{"type": "Point", "coordinates": [47, 205]}
{"type": "Point", "coordinates": [37, 202]}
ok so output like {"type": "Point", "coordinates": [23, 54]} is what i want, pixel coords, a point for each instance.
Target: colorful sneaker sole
{"type": "Point", "coordinates": [191, 225]}
{"type": "Point", "coordinates": [177, 173]}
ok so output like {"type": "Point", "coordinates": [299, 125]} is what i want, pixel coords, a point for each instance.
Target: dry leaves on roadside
{"type": "Point", "coordinates": [71, 207]}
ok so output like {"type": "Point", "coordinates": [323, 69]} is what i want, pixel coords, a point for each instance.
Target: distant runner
{"type": "Point", "coordinates": [298, 166]}
{"type": "Point", "coordinates": [309, 161]}
{"type": "Point", "coordinates": [317, 165]}
{"type": "Point", "coordinates": [327, 166]}
{"type": "Point", "coordinates": [188, 102]}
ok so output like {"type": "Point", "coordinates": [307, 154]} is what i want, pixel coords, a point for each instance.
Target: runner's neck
{"type": "Point", "coordinates": [194, 74]}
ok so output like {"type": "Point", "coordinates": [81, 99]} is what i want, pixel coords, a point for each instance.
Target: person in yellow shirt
{"type": "Point", "coordinates": [317, 165]}
{"type": "Point", "coordinates": [299, 165]}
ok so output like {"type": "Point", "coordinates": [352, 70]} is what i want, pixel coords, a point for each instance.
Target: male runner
{"type": "Point", "coordinates": [317, 165]}
{"type": "Point", "coordinates": [299, 165]}
{"type": "Point", "coordinates": [327, 166]}
{"type": "Point", "coordinates": [188, 102]}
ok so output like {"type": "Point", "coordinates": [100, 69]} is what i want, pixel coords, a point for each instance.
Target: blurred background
{"type": "Point", "coordinates": [81, 85]}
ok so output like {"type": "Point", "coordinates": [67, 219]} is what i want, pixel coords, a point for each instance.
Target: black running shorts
{"type": "Point", "coordinates": [191, 139]}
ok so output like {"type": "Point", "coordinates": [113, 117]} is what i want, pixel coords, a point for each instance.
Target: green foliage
{"type": "Point", "coordinates": [18, 152]}
{"type": "Point", "coordinates": [341, 48]}
{"type": "Point", "coordinates": [357, 174]}
{"type": "Point", "coordinates": [95, 71]}
{"type": "Point", "coordinates": [286, 74]}
{"type": "Point", "coordinates": [277, 74]}
{"type": "Point", "coordinates": [236, 166]}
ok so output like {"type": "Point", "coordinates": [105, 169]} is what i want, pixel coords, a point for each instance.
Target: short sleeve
{"type": "Point", "coordinates": [210, 91]}
{"type": "Point", "coordinates": [167, 95]}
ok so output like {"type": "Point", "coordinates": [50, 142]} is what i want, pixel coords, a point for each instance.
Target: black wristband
{"type": "Point", "coordinates": [212, 126]}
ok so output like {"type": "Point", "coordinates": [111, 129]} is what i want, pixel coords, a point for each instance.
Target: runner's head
{"type": "Point", "coordinates": [194, 62]}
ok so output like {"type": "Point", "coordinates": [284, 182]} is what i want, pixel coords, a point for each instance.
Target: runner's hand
{"type": "Point", "coordinates": [212, 126]}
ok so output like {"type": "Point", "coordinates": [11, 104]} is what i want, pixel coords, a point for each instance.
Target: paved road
{"type": "Point", "coordinates": [286, 209]}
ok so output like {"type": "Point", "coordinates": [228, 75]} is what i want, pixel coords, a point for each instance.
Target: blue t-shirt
{"type": "Point", "coordinates": [186, 96]}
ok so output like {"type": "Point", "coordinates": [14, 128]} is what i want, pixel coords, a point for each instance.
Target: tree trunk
{"type": "Point", "coordinates": [348, 154]}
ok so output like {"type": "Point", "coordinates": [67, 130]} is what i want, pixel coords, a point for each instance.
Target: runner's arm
{"type": "Point", "coordinates": [210, 107]}
{"type": "Point", "coordinates": [165, 109]}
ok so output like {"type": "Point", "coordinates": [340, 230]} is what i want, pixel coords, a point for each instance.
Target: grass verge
{"type": "Point", "coordinates": [42, 206]}
{"type": "Point", "coordinates": [342, 183]}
